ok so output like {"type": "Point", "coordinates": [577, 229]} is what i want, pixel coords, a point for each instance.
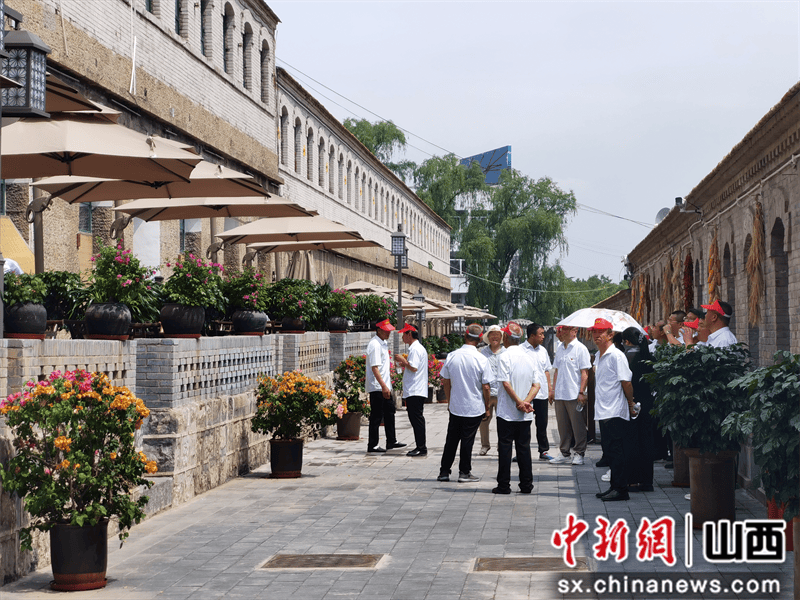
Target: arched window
{"type": "Point", "coordinates": [364, 193]}
{"type": "Point", "coordinates": [181, 18]}
{"type": "Point", "coordinates": [348, 182]}
{"type": "Point", "coordinates": [780, 263]}
{"type": "Point", "coordinates": [331, 168]}
{"type": "Point", "coordinates": [298, 145]}
{"type": "Point", "coordinates": [266, 72]}
{"type": "Point", "coordinates": [153, 7]}
{"type": "Point", "coordinates": [285, 136]}
{"type": "Point", "coordinates": [310, 157]}
{"type": "Point", "coordinates": [321, 167]}
{"type": "Point", "coordinates": [227, 39]}
{"type": "Point", "coordinates": [247, 57]}
{"type": "Point", "coordinates": [205, 27]}
{"type": "Point", "coordinates": [728, 272]}
{"type": "Point", "coordinates": [340, 172]}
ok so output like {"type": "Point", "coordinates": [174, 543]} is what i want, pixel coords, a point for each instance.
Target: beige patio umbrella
{"type": "Point", "coordinates": [82, 145]}
{"type": "Point", "coordinates": [61, 97]}
{"type": "Point", "coordinates": [157, 209]}
{"type": "Point", "coordinates": [289, 229]}
{"type": "Point", "coordinates": [271, 247]}
{"type": "Point", "coordinates": [302, 266]}
{"type": "Point", "coordinates": [207, 180]}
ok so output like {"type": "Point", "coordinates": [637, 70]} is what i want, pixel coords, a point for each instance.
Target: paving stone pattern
{"type": "Point", "coordinates": [350, 502]}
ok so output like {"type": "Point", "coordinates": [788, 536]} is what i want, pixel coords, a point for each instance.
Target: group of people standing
{"type": "Point", "coordinates": [513, 379]}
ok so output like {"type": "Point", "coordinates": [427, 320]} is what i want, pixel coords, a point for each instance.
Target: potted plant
{"type": "Point", "coordinates": [296, 303]}
{"type": "Point", "coordinates": [193, 286]}
{"type": "Point", "coordinates": [341, 304]}
{"type": "Point", "coordinates": [76, 467]}
{"type": "Point", "coordinates": [245, 294]}
{"type": "Point", "coordinates": [120, 291]}
{"type": "Point", "coordinates": [371, 308]}
{"type": "Point", "coordinates": [287, 404]}
{"type": "Point", "coordinates": [25, 314]}
{"type": "Point", "coordinates": [692, 400]}
{"type": "Point", "coordinates": [772, 418]}
{"type": "Point", "coordinates": [349, 380]}
{"type": "Point", "coordinates": [434, 375]}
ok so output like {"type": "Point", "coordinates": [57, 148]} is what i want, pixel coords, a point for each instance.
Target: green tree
{"type": "Point", "coordinates": [383, 139]}
{"type": "Point", "coordinates": [510, 241]}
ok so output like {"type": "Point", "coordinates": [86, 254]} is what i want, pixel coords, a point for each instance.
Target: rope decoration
{"type": "Point", "coordinates": [714, 270]}
{"type": "Point", "coordinates": [755, 272]}
{"type": "Point", "coordinates": [688, 283]}
{"type": "Point", "coordinates": [677, 283]}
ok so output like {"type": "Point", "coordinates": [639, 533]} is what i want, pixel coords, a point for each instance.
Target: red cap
{"type": "Point", "coordinates": [507, 329]}
{"type": "Point", "coordinates": [693, 324]}
{"type": "Point", "coordinates": [407, 327]}
{"type": "Point", "coordinates": [716, 308]}
{"type": "Point", "coordinates": [386, 325]}
{"type": "Point", "coordinates": [600, 325]}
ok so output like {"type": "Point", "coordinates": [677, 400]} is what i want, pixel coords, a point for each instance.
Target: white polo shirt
{"type": "Point", "coordinates": [570, 359]}
{"type": "Point", "coordinates": [378, 356]}
{"type": "Point", "coordinates": [518, 367]}
{"type": "Point", "coordinates": [609, 400]}
{"type": "Point", "coordinates": [467, 369]}
{"type": "Point", "coordinates": [494, 362]}
{"type": "Point", "coordinates": [721, 338]}
{"type": "Point", "coordinates": [542, 360]}
{"type": "Point", "coordinates": [416, 384]}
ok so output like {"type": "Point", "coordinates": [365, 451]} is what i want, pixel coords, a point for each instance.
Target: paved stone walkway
{"type": "Point", "coordinates": [430, 533]}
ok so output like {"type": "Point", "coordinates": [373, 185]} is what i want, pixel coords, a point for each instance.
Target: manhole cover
{"type": "Point", "coordinates": [323, 561]}
{"type": "Point", "coordinates": [530, 563]}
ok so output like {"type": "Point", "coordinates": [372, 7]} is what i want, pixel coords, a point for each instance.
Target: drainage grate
{"type": "Point", "coordinates": [323, 561]}
{"type": "Point", "coordinates": [530, 563]}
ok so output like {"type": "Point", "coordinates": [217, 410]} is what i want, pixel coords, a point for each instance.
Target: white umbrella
{"type": "Point", "coordinates": [585, 318]}
{"type": "Point", "coordinates": [289, 229]}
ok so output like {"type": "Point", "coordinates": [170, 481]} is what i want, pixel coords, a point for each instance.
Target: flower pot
{"type": "Point", "coordinates": [337, 324]}
{"type": "Point", "coordinates": [249, 322]}
{"type": "Point", "coordinates": [440, 397]}
{"type": "Point", "coordinates": [286, 458]}
{"type": "Point", "coordinates": [348, 427]}
{"type": "Point", "coordinates": [181, 321]}
{"type": "Point", "coordinates": [292, 325]}
{"type": "Point", "coordinates": [713, 485]}
{"type": "Point", "coordinates": [775, 511]}
{"type": "Point", "coordinates": [26, 320]}
{"type": "Point", "coordinates": [79, 556]}
{"type": "Point", "coordinates": [680, 470]}
{"type": "Point", "coordinates": [107, 321]}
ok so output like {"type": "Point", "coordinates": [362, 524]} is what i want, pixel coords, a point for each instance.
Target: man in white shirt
{"type": "Point", "coordinates": [718, 316]}
{"type": "Point", "coordinates": [570, 377]}
{"type": "Point", "coordinates": [493, 337]}
{"type": "Point", "coordinates": [533, 345]}
{"type": "Point", "coordinates": [613, 393]}
{"type": "Point", "coordinates": [12, 266]}
{"type": "Point", "coordinates": [466, 376]}
{"type": "Point", "coordinates": [519, 378]}
{"type": "Point", "coordinates": [379, 388]}
{"type": "Point", "coordinates": [672, 330]}
{"type": "Point", "coordinates": [415, 385]}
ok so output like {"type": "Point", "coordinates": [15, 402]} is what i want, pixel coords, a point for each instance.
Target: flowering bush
{"type": "Point", "coordinates": [371, 308]}
{"type": "Point", "coordinates": [118, 276]}
{"type": "Point", "coordinates": [291, 400]}
{"type": "Point", "coordinates": [76, 462]}
{"type": "Point", "coordinates": [23, 288]}
{"type": "Point", "coordinates": [350, 383]}
{"type": "Point", "coordinates": [245, 290]}
{"type": "Point", "coordinates": [341, 303]}
{"type": "Point", "coordinates": [195, 283]}
{"type": "Point", "coordinates": [297, 299]}
{"type": "Point", "coordinates": [434, 371]}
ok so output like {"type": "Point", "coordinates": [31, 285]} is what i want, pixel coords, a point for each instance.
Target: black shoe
{"type": "Point", "coordinates": [602, 494]}
{"type": "Point", "coordinates": [615, 496]}
{"type": "Point", "coordinates": [525, 490]}
{"type": "Point", "coordinates": [443, 477]}
{"type": "Point", "coordinates": [395, 445]}
{"type": "Point", "coordinates": [601, 463]}
{"type": "Point", "coordinates": [643, 487]}
{"type": "Point", "coordinates": [376, 449]}
{"type": "Point", "coordinates": [499, 490]}
{"type": "Point", "coordinates": [514, 459]}
{"type": "Point", "coordinates": [669, 465]}
{"type": "Point", "coordinates": [417, 452]}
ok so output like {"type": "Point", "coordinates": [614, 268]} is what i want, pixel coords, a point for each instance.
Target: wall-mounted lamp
{"type": "Point", "coordinates": [681, 204]}
{"type": "Point", "coordinates": [628, 269]}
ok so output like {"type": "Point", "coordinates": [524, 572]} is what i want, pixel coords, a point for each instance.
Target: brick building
{"type": "Point", "coordinates": [205, 75]}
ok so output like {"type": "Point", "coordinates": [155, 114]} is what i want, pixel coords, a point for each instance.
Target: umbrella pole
{"type": "Point", "coordinates": [39, 206]}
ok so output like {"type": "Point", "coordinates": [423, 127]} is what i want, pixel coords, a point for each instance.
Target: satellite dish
{"type": "Point", "coordinates": [661, 214]}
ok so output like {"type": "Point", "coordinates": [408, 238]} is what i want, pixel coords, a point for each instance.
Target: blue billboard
{"type": "Point", "coordinates": [492, 162]}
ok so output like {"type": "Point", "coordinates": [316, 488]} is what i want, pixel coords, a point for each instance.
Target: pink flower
{"type": "Point", "coordinates": [169, 265]}
{"type": "Point", "coordinates": [119, 276]}
{"type": "Point", "coordinates": [188, 274]}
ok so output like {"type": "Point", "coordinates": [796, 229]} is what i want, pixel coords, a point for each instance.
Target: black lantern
{"type": "Point", "coordinates": [26, 64]}
{"type": "Point", "coordinates": [3, 52]}
{"type": "Point", "coordinates": [400, 253]}
{"type": "Point", "coordinates": [398, 241]}
{"type": "Point", "coordinates": [418, 297]}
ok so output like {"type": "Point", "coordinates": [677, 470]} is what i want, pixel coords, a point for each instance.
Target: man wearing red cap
{"type": "Point", "coordinates": [613, 398]}
{"type": "Point", "coordinates": [718, 315]}
{"type": "Point", "coordinates": [415, 385]}
{"type": "Point", "coordinates": [378, 386]}
{"type": "Point", "coordinates": [570, 378]}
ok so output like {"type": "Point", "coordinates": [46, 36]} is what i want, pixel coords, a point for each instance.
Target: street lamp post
{"type": "Point", "coordinates": [400, 253]}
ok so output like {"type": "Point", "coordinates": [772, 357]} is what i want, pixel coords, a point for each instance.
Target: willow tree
{"type": "Point", "coordinates": [383, 139]}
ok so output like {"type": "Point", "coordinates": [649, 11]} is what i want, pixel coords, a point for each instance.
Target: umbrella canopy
{"type": "Point", "coordinates": [269, 247]}
{"type": "Point", "coordinates": [302, 266]}
{"type": "Point", "coordinates": [289, 229]}
{"type": "Point", "coordinates": [585, 317]}
{"type": "Point", "coordinates": [86, 146]}
{"type": "Point", "coordinates": [60, 97]}
{"type": "Point", "coordinates": [207, 180]}
{"type": "Point", "coordinates": [366, 287]}
{"type": "Point", "coordinates": [155, 209]}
